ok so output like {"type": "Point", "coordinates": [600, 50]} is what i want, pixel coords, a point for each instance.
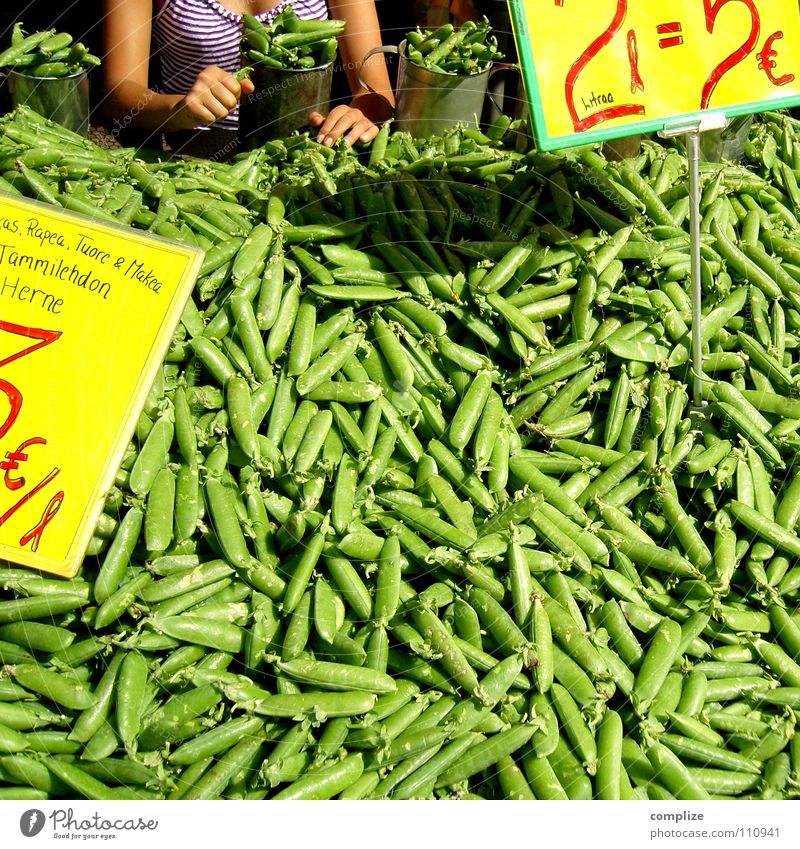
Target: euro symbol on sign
{"type": "Point", "coordinates": [766, 61]}
{"type": "Point", "coordinates": [12, 461]}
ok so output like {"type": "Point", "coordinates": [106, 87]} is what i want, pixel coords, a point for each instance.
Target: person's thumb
{"type": "Point", "coordinates": [247, 87]}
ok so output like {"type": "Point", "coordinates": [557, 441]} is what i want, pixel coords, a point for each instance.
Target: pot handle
{"type": "Point", "coordinates": [389, 48]}
{"type": "Point", "coordinates": [500, 67]}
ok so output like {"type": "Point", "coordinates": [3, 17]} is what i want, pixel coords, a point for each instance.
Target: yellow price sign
{"type": "Point", "coordinates": [87, 313]}
{"type": "Point", "coordinates": [600, 69]}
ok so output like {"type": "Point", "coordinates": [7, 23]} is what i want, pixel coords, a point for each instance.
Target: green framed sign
{"type": "Point", "coordinates": [602, 69]}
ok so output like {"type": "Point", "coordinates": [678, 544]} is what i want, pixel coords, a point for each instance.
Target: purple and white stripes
{"type": "Point", "coordinates": [190, 35]}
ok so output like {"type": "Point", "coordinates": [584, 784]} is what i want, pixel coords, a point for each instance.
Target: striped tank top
{"type": "Point", "coordinates": [190, 35]}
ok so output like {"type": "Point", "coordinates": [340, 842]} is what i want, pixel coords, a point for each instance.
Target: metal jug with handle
{"type": "Point", "coordinates": [431, 102]}
{"type": "Point", "coordinates": [282, 101]}
{"type": "Point", "coordinates": [64, 100]}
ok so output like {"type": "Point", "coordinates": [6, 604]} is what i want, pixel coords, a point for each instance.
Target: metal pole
{"type": "Point", "coordinates": [693, 153]}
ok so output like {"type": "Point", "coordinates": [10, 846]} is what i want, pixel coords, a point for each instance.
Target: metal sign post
{"type": "Point", "coordinates": [691, 134]}
{"type": "Point", "coordinates": [693, 156]}
{"type": "Point", "coordinates": [597, 70]}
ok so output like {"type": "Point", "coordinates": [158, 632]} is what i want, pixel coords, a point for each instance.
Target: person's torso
{"type": "Point", "coordinates": [190, 35]}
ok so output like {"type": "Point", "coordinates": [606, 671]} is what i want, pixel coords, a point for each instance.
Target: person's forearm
{"type": "Point", "coordinates": [131, 104]}
{"type": "Point", "coordinates": [361, 35]}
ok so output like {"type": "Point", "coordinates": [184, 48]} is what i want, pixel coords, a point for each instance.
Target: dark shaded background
{"type": "Point", "coordinates": [80, 18]}
{"type": "Point", "coordinates": [83, 20]}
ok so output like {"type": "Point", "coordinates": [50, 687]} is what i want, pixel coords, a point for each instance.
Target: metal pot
{"type": "Point", "coordinates": [431, 102]}
{"type": "Point", "coordinates": [64, 100]}
{"type": "Point", "coordinates": [281, 102]}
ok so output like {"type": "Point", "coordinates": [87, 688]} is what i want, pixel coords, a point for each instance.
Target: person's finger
{"type": "Point", "coordinates": [247, 87]}
{"type": "Point", "coordinates": [227, 99]}
{"type": "Point", "coordinates": [330, 122]}
{"type": "Point", "coordinates": [345, 122]}
{"type": "Point", "coordinates": [217, 109]}
{"type": "Point", "coordinates": [199, 113]}
{"type": "Point", "coordinates": [224, 96]}
{"type": "Point", "coordinates": [209, 76]}
{"type": "Point", "coordinates": [214, 72]}
{"type": "Point", "coordinates": [360, 131]}
{"type": "Point", "coordinates": [315, 119]}
{"type": "Point", "coordinates": [231, 84]}
{"type": "Point", "coordinates": [369, 133]}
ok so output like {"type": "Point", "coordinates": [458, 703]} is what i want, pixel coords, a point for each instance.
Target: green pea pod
{"type": "Point", "coordinates": [131, 684]}
{"type": "Point", "coordinates": [23, 46]}
{"type": "Point", "coordinates": [656, 664]}
{"type": "Point", "coordinates": [58, 688]}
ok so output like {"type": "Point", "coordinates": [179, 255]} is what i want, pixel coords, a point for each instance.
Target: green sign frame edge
{"type": "Point", "coordinates": [546, 142]}
{"type": "Point", "coordinates": [68, 566]}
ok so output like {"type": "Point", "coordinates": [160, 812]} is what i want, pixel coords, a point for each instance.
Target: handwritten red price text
{"type": "Point", "coordinates": [711, 9]}
{"type": "Point", "coordinates": [13, 465]}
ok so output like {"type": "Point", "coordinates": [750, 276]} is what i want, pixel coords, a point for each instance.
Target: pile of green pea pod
{"type": "Point", "coordinates": [290, 42]}
{"type": "Point", "coordinates": [469, 49]}
{"type": "Point", "coordinates": [46, 54]}
{"type": "Point", "coordinates": [417, 507]}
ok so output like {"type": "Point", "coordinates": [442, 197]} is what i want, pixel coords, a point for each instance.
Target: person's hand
{"type": "Point", "coordinates": [356, 121]}
{"type": "Point", "coordinates": [213, 96]}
